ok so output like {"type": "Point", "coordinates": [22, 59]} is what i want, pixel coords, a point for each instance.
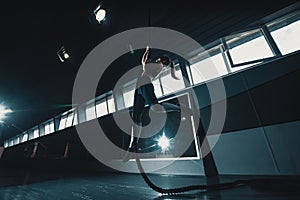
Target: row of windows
{"type": "Point", "coordinates": [230, 54]}
{"type": "Point", "coordinates": [245, 49]}
{"type": "Point", "coordinates": [27, 135]}
{"type": "Point", "coordinates": [100, 108]}
{"type": "Point", "coordinates": [65, 120]}
{"type": "Point", "coordinates": [68, 120]}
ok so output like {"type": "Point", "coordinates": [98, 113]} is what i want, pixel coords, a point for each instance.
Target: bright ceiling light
{"type": "Point", "coordinates": [3, 112]}
{"type": "Point", "coordinates": [62, 54]}
{"type": "Point", "coordinates": [66, 55]}
{"type": "Point", "coordinates": [100, 15]}
{"type": "Point", "coordinates": [163, 142]}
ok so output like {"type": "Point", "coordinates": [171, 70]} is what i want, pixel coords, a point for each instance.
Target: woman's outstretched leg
{"type": "Point", "coordinates": [133, 145]}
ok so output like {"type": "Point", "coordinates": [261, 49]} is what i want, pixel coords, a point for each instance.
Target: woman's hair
{"type": "Point", "coordinates": [166, 60]}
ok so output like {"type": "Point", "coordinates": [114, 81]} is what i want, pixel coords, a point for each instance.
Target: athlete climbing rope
{"type": "Point", "coordinates": [144, 95]}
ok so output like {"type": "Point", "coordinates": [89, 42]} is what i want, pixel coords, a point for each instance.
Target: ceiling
{"type": "Point", "coordinates": [37, 86]}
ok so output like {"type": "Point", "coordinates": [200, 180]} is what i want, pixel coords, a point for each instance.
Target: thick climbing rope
{"type": "Point", "coordinates": [187, 188]}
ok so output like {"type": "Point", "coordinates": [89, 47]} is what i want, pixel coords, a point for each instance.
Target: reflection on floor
{"type": "Point", "coordinates": [26, 185]}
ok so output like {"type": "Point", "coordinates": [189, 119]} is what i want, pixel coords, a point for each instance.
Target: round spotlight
{"type": "Point", "coordinates": [100, 15]}
{"type": "Point", "coordinates": [163, 142]}
{"type": "Point", "coordinates": [66, 55]}
{"type": "Point", "coordinates": [63, 54]}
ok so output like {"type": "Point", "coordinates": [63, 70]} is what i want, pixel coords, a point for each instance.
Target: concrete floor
{"type": "Point", "coordinates": [26, 185]}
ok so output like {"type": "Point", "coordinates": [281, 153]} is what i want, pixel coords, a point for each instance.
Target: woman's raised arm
{"type": "Point", "coordinates": [145, 55]}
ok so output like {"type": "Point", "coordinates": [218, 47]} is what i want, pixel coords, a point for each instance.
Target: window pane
{"type": "Point", "coordinates": [25, 137]}
{"type": "Point", "coordinates": [248, 46]}
{"type": "Point", "coordinates": [208, 68]}
{"type": "Point", "coordinates": [36, 133]}
{"type": "Point", "coordinates": [287, 37]}
{"type": "Point", "coordinates": [128, 98]}
{"type": "Point", "coordinates": [90, 112]}
{"type": "Point", "coordinates": [5, 144]}
{"type": "Point", "coordinates": [101, 108]}
{"type": "Point", "coordinates": [69, 119]}
{"type": "Point", "coordinates": [30, 135]}
{"type": "Point", "coordinates": [170, 85]}
{"type": "Point", "coordinates": [16, 140]}
{"type": "Point", "coordinates": [11, 142]}
{"type": "Point", "coordinates": [128, 95]}
{"type": "Point", "coordinates": [49, 127]}
{"type": "Point", "coordinates": [62, 123]}
{"type": "Point", "coordinates": [111, 104]}
{"type": "Point", "coordinates": [157, 88]}
{"type": "Point", "coordinates": [75, 121]}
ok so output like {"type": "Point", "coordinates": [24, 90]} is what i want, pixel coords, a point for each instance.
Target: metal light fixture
{"type": "Point", "coordinates": [62, 54]}
{"type": "Point", "coordinates": [98, 15]}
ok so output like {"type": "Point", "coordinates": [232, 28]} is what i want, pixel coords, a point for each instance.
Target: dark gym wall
{"type": "Point", "coordinates": [262, 120]}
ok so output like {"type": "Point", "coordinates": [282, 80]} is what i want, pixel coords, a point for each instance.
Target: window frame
{"type": "Point", "coordinates": [48, 123]}
{"type": "Point", "coordinates": [97, 103]}
{"type": "Point", "coordinates": [213, 49]}
{"type": "Point", "coordinates": [282, 22]}
{"type": "Point", "coordinates": [255, 61]}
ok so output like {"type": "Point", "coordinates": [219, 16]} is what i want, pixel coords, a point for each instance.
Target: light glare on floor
{"type": "Point", "coordinates": [163, 142]}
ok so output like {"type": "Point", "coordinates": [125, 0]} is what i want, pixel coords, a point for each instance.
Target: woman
{"type": "Point", "coordinates": [144, 94]}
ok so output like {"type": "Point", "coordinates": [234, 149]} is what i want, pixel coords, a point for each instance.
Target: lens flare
{"type": "Point", "coordinates": [163, 142]}
{"type": "Point", "coordinates": [3, 112]}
